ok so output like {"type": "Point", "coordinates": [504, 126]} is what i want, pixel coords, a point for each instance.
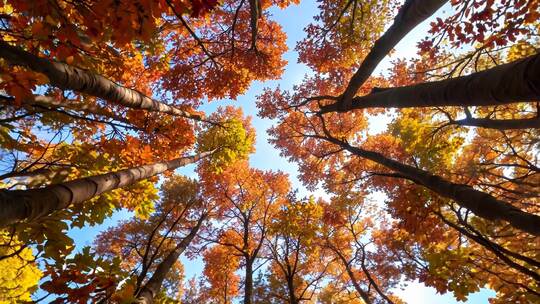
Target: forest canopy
{"type": "Point", "coordinates": [132, 122]}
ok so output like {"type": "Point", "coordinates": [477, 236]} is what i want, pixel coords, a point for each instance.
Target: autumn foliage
{"type": "Point", "coordinates": [425, 170]}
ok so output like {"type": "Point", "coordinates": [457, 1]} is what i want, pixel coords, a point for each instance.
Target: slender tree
{"type": "Point", "coordinates": [69, 77]}
{"type": "Point", "coordinates": [248, 199]}
{"type": "Point", "coordinates": [412, 13]}
{"type": "Point", "coordinates": [517, 81]}
{"type": "Point", "coordinates": [32, 204]}
{"type": "Point", "coordinates": [152, 287]}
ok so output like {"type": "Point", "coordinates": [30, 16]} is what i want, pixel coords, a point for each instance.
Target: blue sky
{"type": "Point", "coordinates": [293, 20]}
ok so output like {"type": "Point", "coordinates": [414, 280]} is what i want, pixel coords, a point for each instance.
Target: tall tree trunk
{"type": "Point", "coordinates": [412, 13]}
{"type": "Point", "coordinates": [500, 124]}
{"type": "Point", "coordinates": [68, 77]}
{"type": "Point", "coordinates": [52, 103]}
{"type": "Point", "coordinates": [248, 285]}
{"type": "Point", "coordinates": [481, 204]}
{"type": "Point", "coordinates": [152, 287]}
{"type": "Point", "coordinates": [290, 287]}
{"type": "Point", "coordinates": [255, 14]}
{"type": "Point", "coordinates": [518, 81]}
{"type": "Point", "coordinates": [19, 205]}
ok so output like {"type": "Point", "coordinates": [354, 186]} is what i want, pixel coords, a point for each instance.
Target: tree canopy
{"type": "Point", "coordinates": [102, 102]}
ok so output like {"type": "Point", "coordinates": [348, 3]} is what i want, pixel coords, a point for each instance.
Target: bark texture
{"type": "Point", "coordinates": [291, 289]}
{"type": "Point", "coordinates": [481, 204]}
{"type": "Point", "coordinates": [68, 77]}
{"type": "Point", "coordinates": [20, 205]}
{"type": "Point", "coordinates": [500, 124]}
{"type": "Point", "coordinates": [248, 286]}
{"type": "Point", "coordinates": [412, 13]}
{"type": "Point", "coordinates": [255, 14]}
{"type": "Point", "coordinates": [153, 286]}
{"type": "Point", "coordinates": [518, 81]}
{"type": "Point", "coordinates": [52, 103]}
